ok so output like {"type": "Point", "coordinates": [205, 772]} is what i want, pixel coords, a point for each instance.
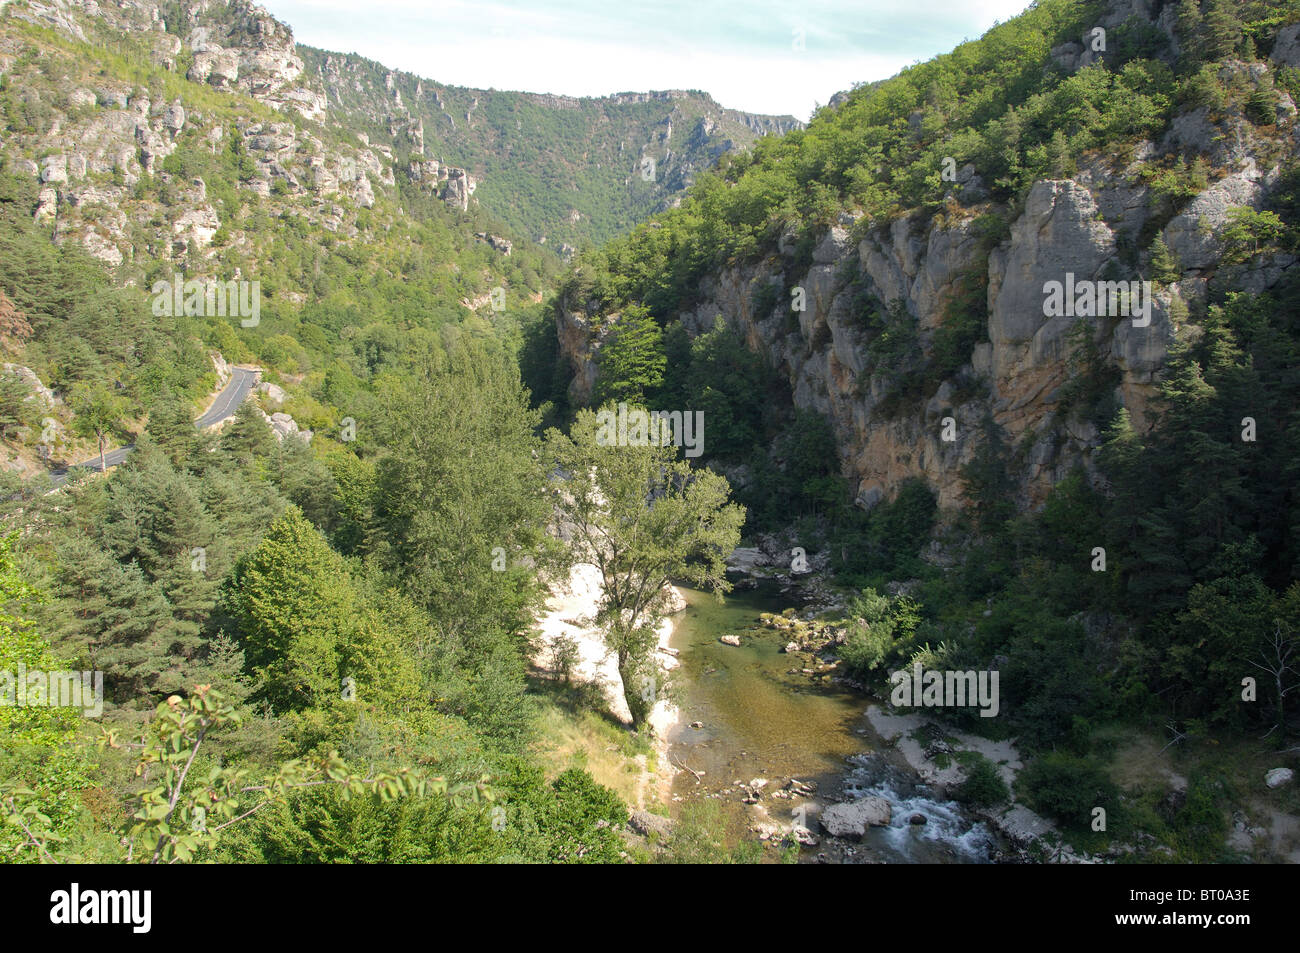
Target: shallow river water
{"type": "Point", "coordinates": [759, 721]}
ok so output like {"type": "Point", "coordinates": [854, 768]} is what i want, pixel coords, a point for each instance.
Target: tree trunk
{"type": "Point", "coordinates": [102, 467]}
{"type": "Point", "coordinates": [639, 697]}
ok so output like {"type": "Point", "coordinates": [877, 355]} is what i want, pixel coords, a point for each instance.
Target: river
{"type": "Point", "coordinates": [758, 720]}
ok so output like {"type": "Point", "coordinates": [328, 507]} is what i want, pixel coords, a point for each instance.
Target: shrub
{"type": "Point", "coordinates": [983, 786]}
{"type": "Point", "coordinates": [1066, 789]}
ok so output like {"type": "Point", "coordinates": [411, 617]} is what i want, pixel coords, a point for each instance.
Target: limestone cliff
{"type": "Point", "coordinates": [1090, 225]}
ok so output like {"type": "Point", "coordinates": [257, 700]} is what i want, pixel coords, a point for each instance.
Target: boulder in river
{"type": "Point", "coordinates": [852, 818]}
{"type": "Point", "coordinates": [729, 639]}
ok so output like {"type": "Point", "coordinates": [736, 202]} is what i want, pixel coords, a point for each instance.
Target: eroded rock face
{"type": "Point", "coordinates": [1286, 50]}
{"type": "Point", "coordinates": [460, 186]}
{"type": "Point", "coordinates": [1077, 226]}
{"type": "Point", "coordinates": [1194, 235]}
{"type": "Point", "coordinates": [255, 54]}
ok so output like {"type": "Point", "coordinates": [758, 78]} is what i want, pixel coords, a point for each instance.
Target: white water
{"type": "Point", "coordinates": [949, 835]}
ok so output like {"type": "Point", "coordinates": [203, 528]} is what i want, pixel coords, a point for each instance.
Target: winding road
{"type": "Point", "coordinates": [242, 381]}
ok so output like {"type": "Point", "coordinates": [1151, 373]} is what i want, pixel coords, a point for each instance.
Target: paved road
{"type": "Point", "coordinates": [242, 381]}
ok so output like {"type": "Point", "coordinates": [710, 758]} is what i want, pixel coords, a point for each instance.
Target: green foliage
{"type": "Point", "coordinates": [1067, 789]}
{"type": "Point", "coordinates": [699, 838]}
{"type": "Point", "coordinates": [886, 540]}
{"type": "Point", "coordinates": [643, 517]}
{"type": "Point", "coordinates": [306, 630]}
{"type": "Point", "coordinates": [1201, 824]}
{"type": "Point", "coordinates": [882, 634]}
{"type": "Point", "coordinates": [41, 774]}
{"type": "Point", "coordinates": [983, 785]}
{"type": "Point", "coordinates": [460, 516]}
{"type": "Point", "coordinates": [986, 480]}
{"type": "Point", "coordinates": [632, 360]}
{"type": "Point", "coordinates": [1165, 267]}
{"type": "Point", "coordinates": [175, 820]}
{"type": "Point", "coordinates": [964, 326]}
{"type": "Point", "coordinates": [717, 374]}
{"type": "Point", "coordinates": [1249, 232]}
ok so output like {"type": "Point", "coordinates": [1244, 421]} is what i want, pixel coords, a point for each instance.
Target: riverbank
{"type": "Point", "coordinates": [569, 619]}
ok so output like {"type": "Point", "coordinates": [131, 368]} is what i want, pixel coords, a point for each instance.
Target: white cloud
{"type": "Point", "coordinates": [740, 53]}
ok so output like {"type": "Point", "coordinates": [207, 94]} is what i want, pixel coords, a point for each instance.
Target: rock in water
{"type": "Point", "coordinates": [803, 836]}
{"type": "Point", "coordinates": [729, 639]}
{"type": "Point", "coordinates": [1278, 777]}
{"type": "Point", "coordinates": [852, 818]}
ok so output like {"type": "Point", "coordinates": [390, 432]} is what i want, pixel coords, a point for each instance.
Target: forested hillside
{"type": "Point", "coordinates": [413, 603]}
{"type": "Point", "coordinates": [567, 172]}
{"type": "Point", "coordinates": [1105, 514]}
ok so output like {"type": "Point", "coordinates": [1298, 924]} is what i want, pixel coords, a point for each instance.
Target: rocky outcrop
{"type": "Point", "coordinates": [454, 186]}
{"type": "Point", "coordinates": [253, 54]}
{"type": "Point", "coordinates": [496, 242]}
{"type": "Point", "coordinates": [651, 825]}
{"type": "Point", "coordinates": [1083, 228]}
{"type": "Point", "coordinates": [38, 392]}
{"type": "Point", "coordinates": [460, 186]}
{"type": "Point", "coordinates": [283, 426]}
{"type": "Point", "coordinates": [853, 819]}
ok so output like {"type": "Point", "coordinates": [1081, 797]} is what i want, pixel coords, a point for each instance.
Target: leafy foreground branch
{"type": "Point", "coordinates": [186, 808]}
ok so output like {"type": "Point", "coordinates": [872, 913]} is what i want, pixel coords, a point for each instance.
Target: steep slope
{"type": "Point", "coordinates": [566, 171]}
{"type": "Point", "coordinates": [920, 221]}
{"type": "Point", "coordinates": [562, 171]}
{"type": "Point", "coordinates": [150, 161]}
{"type": "Point", "coordinates": [196, 139]}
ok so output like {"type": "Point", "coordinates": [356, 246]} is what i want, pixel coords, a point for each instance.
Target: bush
{"type": "Point", "coordinates": [1067, 789]}
{"type": "Point", "coordinates": [983, 786]}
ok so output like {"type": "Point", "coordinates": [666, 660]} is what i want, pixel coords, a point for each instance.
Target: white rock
{"type": "Point", "coordinates": [1278, 777]}
{"type": "Point", "coordinates": [852, 818]}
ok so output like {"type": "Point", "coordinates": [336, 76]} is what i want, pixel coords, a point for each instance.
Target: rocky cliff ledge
{"type": "Point", "coordinates": [1088, 225]}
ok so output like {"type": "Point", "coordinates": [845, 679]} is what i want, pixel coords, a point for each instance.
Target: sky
{"type": "Point", "coordinates": [761, 56]}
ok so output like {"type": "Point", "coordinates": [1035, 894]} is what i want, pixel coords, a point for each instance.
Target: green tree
{"type": "Point", "coordinates": [642, 517]}
{"type": "Point", "coordinates": [307, 633]}
{"type": "Point", "coordinates": [99, 413]}
{"type": "Point", "coordinates": [460, 523]}
{"type": "Point", "coordinates": [1165, 267]}
{"type": "Point", "coordinates": [41, 771]}
{"type": "Point", "coordinates": [249, 437]}
{"type": "Point", "coordinates": [1223, 29]}
{"type": "Point", "coordinates": [631, 361]}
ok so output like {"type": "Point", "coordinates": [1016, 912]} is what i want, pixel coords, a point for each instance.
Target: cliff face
{"type": "Point", "coordinates": [1088, 226]}
{"type": "Point", "coordinates": [337, 132]}
{"type": "Point", "coordinates": [234, 46]}
{"type": "Point", "coordinates": [562, 170]}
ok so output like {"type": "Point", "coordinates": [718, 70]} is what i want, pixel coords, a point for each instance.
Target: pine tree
{"type": "Point", "coordinates": [1223, 30]}
{"type": "Point", "coordinates": [1190, 25]}
{"type": "Point", "coordinates": [171, 426]}
{"type": "Point", "coordinates": [248, 438]}
{"type": "Point", "coordinates": [1165, 267]}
